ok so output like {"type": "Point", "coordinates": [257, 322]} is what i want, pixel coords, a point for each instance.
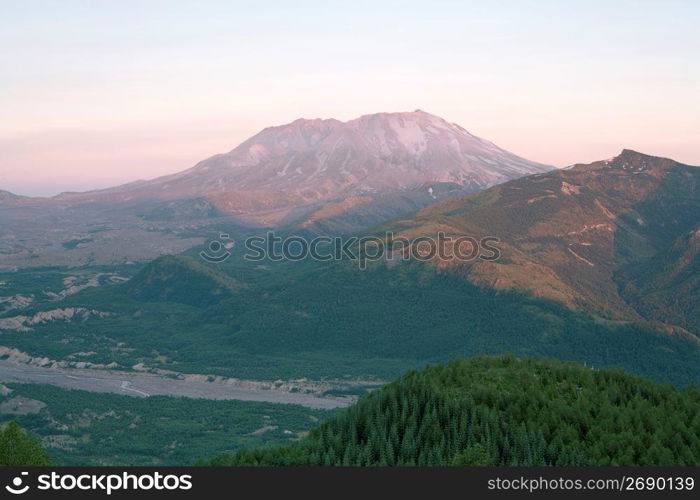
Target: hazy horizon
{"type": "Point", "coordinates": [96, 96]}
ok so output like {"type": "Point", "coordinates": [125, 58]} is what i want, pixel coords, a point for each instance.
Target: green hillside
{"type": "Point", "coordinates": [335, 320]}
{"type": "Point", "coordinates": [80, 428]}
{"type": "Point", "coordinates": [179, 278]}
{"type": "Point", "coordinates": [504, 411]}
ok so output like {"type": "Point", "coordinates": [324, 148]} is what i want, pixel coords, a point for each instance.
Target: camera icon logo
{"type": "Point", "coordinates": [16, 488]}
{"type": "Point", "coordinates": [218, 250]}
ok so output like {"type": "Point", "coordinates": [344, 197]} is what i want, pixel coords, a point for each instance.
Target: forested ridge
{"type": "Point", "coordinates": [330, 320]}
{"type": "Point", "coordinates": [503, 411]}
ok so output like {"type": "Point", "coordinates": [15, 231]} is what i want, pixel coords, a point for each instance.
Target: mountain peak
{"type": "Point", "coordinates": [311, 122]}
{"type": "Point", "coordinates": [312, 161]}
{"type": "Point", "coordinates": [416, 114]}
{"type": "Point", "coordinates": [631, 153]}
{"type": "Point", "coordinates": [636, 162]}
{"type": "Point", "coordinates": [9, 198]}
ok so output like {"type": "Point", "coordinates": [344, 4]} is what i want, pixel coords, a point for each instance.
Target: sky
{"type": "Point", "coordinates": [99, 93]}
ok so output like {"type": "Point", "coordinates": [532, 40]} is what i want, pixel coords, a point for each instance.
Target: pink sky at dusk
{"type": "Point", "coordinates": [94, 97]}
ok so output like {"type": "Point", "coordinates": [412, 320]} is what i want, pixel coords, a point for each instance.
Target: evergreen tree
{"type": "Point", "coordinates": [474, 456]}
{"type": "Point", "coordinates": [505, 411]}
{"type": "Point", "coordinates": [17, 449]}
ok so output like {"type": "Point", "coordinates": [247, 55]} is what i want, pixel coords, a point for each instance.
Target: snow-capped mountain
{"type": "Point", "coordinates": [308, 162]}
{"type": "Point", "coordinates": [370, 153]}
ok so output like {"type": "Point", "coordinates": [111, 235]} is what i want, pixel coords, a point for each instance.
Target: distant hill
{"type": "Point", "coordinates": [619, 237]}
{"type": "Point", "coordinates": [503, 411]}
{"type": "Point", "coordinates": [11, 199]}
{"type": "Point", "coordinates": [178, 278]}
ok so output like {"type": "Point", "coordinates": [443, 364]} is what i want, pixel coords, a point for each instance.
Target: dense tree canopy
{"type": "Point", "coordinates": [504, 411]}
{"type": "Point", "coordinates": [17, 449]}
